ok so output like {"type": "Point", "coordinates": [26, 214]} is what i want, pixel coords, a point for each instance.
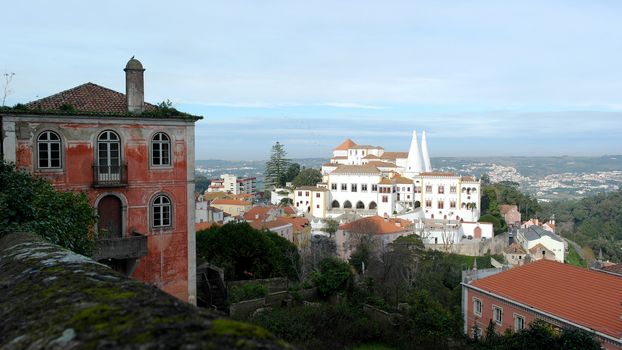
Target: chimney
{"type": "Point", "coordinates": [134, 86]}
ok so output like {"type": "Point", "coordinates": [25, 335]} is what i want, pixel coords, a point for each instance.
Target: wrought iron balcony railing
{"type": "Point", "coordinates": [110, 175]}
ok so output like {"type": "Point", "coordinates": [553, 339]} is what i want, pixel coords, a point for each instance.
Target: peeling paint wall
{"type": "Point", "coordinates": [167, 263]}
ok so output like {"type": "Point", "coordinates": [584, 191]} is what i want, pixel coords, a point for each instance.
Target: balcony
{"type": "Point", "coordinates": [110, 175]}
{"type": "Point", "coordinates": [132, 247]}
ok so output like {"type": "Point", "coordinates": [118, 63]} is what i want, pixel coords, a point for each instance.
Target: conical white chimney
{"type": "Point", "coordinates": [424, 153]}
{"type": "Point", "coordinates": [414, 164]}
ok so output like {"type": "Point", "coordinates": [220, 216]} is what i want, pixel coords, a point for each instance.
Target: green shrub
{"type": "Point", "coordinates": [334, 276]}
{"type": "Point", "coordinates": [247, 291]}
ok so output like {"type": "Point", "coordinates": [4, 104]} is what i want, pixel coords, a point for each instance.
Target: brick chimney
{"type": "Point", "coordinates": [134, 86]}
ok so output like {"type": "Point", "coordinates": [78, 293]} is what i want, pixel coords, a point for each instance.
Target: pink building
{"type": "Point", "coordinates": [563, 295]}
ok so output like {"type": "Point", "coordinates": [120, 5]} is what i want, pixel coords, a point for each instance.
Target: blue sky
{"type": "Point", "coordinates": [483, 78]}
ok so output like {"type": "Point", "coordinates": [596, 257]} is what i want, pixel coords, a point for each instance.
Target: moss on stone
{"type": "Point", "coordinates": [225, 327]}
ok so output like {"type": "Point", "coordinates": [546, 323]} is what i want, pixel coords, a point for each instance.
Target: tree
{"type": "Point", "coordinates": [285, 202]}
{"type": "Point", "coordinates": [276, 167]}
{"type": "Point", "coordinates": [308, 177]}
{"type": "Point", "coordinates": [246, 253]}
{"type": "Point", "coordinates": [291, 173]}
{"type": "Point", "coordinates": [8, 77]}
{"type": "Point", "coordinates": [333, 277]}
{"type": "Point", "coordinates": [331, 227]}
{"type": "Point", "coordinates": [29, 203]}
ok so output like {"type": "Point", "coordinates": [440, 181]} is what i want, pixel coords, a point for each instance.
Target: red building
{"type": "Point", "coordinates": [136, 163]}
{"type": "Point", "coordinates": [562, 295]}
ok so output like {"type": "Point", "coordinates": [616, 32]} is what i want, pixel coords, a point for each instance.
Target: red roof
{"type": "Point", "coordinates": [377, 225]}
{"type": "Point", "coordinates": [345, 145]}
{"type": "Point", "coordinates": [588, 298]}
{"type": "Point", "coordinates": [617, 268]}
{"type": "Point", "coordinates": [225, 201]}
{"type": "Point", "coordinates": [203, 226]}
{"type": "Point", "coordinates": [87, 97]}
{"type": "Point", "coordinates": [299, 223]}
{"type": "Point", "coordinates": [258, 213]}
{"type": "Point", "coordinates": [289, 210]}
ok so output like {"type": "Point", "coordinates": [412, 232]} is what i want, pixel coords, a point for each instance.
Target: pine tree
{"type": "Point", "coordinates": [276, 167]}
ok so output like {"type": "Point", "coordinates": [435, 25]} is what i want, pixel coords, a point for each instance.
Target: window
{"type": "Point", "coordinates": [428, 203]}
{"type": "Point", "coordinates": [344, 187]}
{"type": "Point", "coordinates": [353, 187]}
{"type": "Point", "coordinates": [417, 189]}
{"type": "Point", "coordinates": [374, 188]}
{"type": "Point", "coordinates": [300, 193]}
{"type": "Point", "coordinates": [385, 199]}
{"type": "Point", "coordinates": [161, 209]}
{"type": "Point", "coordinates": [477, 307]}
{"type": "Point", "coordinates": [363, 187]}
{"type": "Point", "coordinates": [441, 204]}
{"type": "Point", "coordinates": [441, 189]}
{"type": "Point", "coordinates": [317, 195]}
{"type": "Point", "coordinates": [428, 188]}
{"type": "Point", "coordinates": [452, 204]}
{"type": "Point", "coordinates": [317, 206]}
{"type": "Point", "coordinates": [333, 187]}
{"type": "Point", "coordinates": [497, 314]}
{"type": "Point", "coordinates": [519, 322]}
{"type": "Point", "coordinates": [109, 156]}
{"type": "Point", "coordinates": [452, 189]}
{"type": "Point", "coordinates": [48, 150]}
{"type": "Point", "coordinates": [306, 193]}
{"type": "Point", "coordinates": [160, 150]}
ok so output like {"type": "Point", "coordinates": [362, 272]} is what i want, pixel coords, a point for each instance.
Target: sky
{"type": "Point", "coordinates": [483, 78]}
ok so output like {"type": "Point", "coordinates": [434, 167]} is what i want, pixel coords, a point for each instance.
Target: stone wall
{"type": "Point", "coordinates": [53, 298]}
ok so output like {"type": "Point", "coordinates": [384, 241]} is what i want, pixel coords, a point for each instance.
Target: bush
{"type": "Point", "coordinates": [247, 291]}
{"type": "Point", "coordinates": [334, 276]}
{"type": "Point", "coordinates": [29, 203]}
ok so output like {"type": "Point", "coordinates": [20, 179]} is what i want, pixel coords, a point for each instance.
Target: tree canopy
{"type": "Point", "coordinates": [308, 177]}
{"type": "Point", "coordinates": [246, 253]}
{"type": "Point", "coordinates": [30, 203]}
{"type": "Point", "coordinates": [277, 166]}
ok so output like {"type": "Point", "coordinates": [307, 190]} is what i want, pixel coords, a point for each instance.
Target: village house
{"type": "Point", "coordinates": [233, 207]}
{"type": "Point", "coordinates": [382, 231]}
{"type": "Point", "coordinates": [541, 243]}
{"type": "Point", "coordinates": [134, 160]}
{"type": "Point", "coordinates": [562, 295]}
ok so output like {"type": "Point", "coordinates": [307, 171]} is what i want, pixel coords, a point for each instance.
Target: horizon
{"type": "Point", "coordinates": [469, 157]}
{"type": "Point", "coordinates": [483, 79]}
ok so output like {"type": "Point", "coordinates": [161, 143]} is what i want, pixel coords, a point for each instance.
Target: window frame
{"type": "Point", "coordinates": [516, 318]}
{"type": "Point", "coordinates": [153, 205]}
{"type": "Point", "coordinates": [497, 309]}
{"type": "Point", "coordinates": [152, 148]}
{"type": "Point", "coordinates": [477, 311]}
{"type": "Point", "coordinates": [48, 142]}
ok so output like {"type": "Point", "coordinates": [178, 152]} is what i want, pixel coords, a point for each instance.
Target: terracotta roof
{"type": "Point", "coordinates": [258, 225]}
{"type": "Point", "coordinates": [345, 145]}
{"type": "Point", "coordinates": [538, 248]}
{"type": "Point", "coordinates": [514, 249]}
{"type": "Point", "coordinates": [386, 181]}
{"type": "Point", "coordinates": [87, 97]}
{"type": "Point", "coordinates": [365, 147]}
{"type": "Point", "coordinates": [585, 297]}
{"type": "Point", "coordinates": [371, 156]}
{"type": "Point", "coordinates": [468, 179]}
{"type": "Point", "coordinates": [379, 164]}
{"type": "Point", "coordinates": [289, 210]}
{"type": "Point", "coordinates": [340, 157]}
{"type": "Point", "coordinates": [355, 169]}
{"type": "Point", "coordinates": [330, 164]}
{"type": "Point", "coordinates": [298, 223]}
{"type": "Point", "coordinates": [258, 213]}
{"type": "Point", "coordinates": [437, 173]}
{"type": "Point", "coordinates": [230, 202]}
{"type": "Point", "coordinates": [394, 155]}
{"type": "Point", "coordinates": [402, 180]}
{"type": "Point", "coordinates": [505, 208]}
{"type": "Point", "coordinates": [378, 225]}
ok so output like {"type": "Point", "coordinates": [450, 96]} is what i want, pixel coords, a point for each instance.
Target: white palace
{"type": "Point", "coordinates": [369, 181]}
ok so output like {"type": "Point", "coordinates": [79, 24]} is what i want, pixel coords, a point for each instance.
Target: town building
{"type": "Point", "coordinates": [562, 295]}
{"type": "Point", "coordinates": [233, 184]}
{"type": "Point", "coordinates": [367, 180]}
{"type": "Point", "coordinates": [206, 213]}
{"type": "Point", "coordinates": [134, 160]}
{"type": "Point", "coordinates": [382, 231]}
{"type": "Point", "coordinates": [510, 214]}
{"type": "Point", "coordinates": [541, 243]}
{"type": "Point", "coordinates": [234, 207]}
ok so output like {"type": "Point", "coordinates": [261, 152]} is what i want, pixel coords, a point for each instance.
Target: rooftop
{"type": "Point", "coordinates": [588, 298]}
{"type": "Point", "coordinates": [225, 201]}
{"type": "Point", "coordinates": [345, 145]}
{"type": "Point", "coordinates": [534, 232]}
{"type": "Point", "coordinates": [377, 225]}
{"type": "Point", "coordinates": [355, 169]}
{"type": "Point", "coordinates": [92, 99]}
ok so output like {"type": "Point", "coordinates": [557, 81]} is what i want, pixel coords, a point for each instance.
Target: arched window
{"type": "Point", "coordinates": [417, 204]}
{"type": "Point", "coordinates": [48, 150]}
{"type": "Point", "coordinates": [373, 205]}
{"type": "Point", "coordinates": [109, 156]}
{"type": "Point", "coordinates": [161, 209]}
{"type": "Point", "coordinates": [347, 204]}
{"type": "Point", "coordinates": [160, 150]}
{"type": "Point", "coordinates": [360, 205]}
{"type": "Point", "coordinates": [335, 204]}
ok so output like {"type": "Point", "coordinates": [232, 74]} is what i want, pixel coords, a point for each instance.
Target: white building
{"type": "Point", "coordinates": [539, 242]}
{"type": "Point", "coordinates": [369, 181]}
{"type": "Point", "coordinates": [232, 184]}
